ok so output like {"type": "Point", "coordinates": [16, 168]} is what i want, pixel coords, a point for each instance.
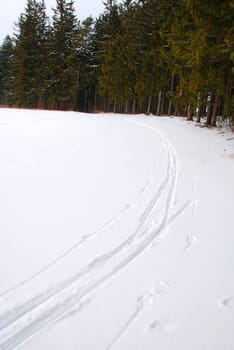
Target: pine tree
{"type": "Point", "coordinates": [107, 27]}
{"type": "Point", "coordinates": [154, 69]}
{"type": "Point", "coordinates": [87, 67]}
{"type": "Point", "coordinates": [29, 57]}
{"type": "Point", "coordinates": [63, 60]}
{"type": "Point", "coordinates": [121, 61]}
{"type": "Point", "coordinates": [6, 70]}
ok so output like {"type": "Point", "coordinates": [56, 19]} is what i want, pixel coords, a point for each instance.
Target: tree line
{"type": "Point", "coordinates": [139, 56]}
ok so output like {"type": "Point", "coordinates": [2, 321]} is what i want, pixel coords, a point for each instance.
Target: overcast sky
{"type": "Point", "coordinates": [11, 9]}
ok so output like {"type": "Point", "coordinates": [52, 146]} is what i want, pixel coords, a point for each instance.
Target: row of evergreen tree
{"type": "Point", "coordinates": [147, 56]}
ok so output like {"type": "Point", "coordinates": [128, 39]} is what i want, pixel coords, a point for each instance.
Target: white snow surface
{"type": "Point", "coordinates": [116, 232]}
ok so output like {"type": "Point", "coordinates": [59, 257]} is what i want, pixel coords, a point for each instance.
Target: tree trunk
{"type": "Point", "coordinates": [209, 111]}
{"type": "Point", "coordinates": [227, 98]}
{"type": "Point", "coordinates": [86, 100]}
{"type": "Point", "coordinates": [189, 114]}
{"type": "Point", "coordinates": [95, 101]}
{"type": "Point", "coordinates": [215, 111]}
{"type": "Point", "coordinates": [169, 108]}
{"type": "Point", "coordinates": [158, 112]}
{"type": "Point", "coordinates": [162, 103]}
{"type": "Point", "coordinates": [134, 106]}
{"type": "Point", "coordinates": [149, 105]}
{"type": "Point", "coordinates": [200, 113]}
{"type": "Point", "coordinates": [126, 107]}
{"type": "Point", "coordinates": [171, 90]}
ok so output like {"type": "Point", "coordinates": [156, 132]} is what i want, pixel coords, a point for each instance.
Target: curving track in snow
{"type": "Point", "coordinates": [25, 320]}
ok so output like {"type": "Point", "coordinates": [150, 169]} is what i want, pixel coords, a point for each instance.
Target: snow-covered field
{"type": "Point", "coordinates": [116, 232]}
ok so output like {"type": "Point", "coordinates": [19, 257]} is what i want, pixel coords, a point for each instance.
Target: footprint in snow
{"type": "Point", "coordinates": [190, 241]}
{"type": "Point", "coordinates": [146, 300]}
{"type": "Point", "coordinates": [162, 326]}
{"type": "Point", "coordinates": [226, 302]}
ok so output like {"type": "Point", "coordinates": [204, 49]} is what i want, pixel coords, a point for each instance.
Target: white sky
{"type": "Point", "coordinates": [11, 9]}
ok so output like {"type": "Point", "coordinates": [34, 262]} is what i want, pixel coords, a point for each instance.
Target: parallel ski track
{"type": "Point", "coordinates": [28, 319]}
{"type": "Point", "coordinates": [84, 239]}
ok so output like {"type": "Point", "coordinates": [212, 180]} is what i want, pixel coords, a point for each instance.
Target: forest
{"type": "Point", "coordinates": [160, 57]}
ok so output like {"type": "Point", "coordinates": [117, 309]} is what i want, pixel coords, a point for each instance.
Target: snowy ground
{"type": "Point", "coordinates": [116, 232]}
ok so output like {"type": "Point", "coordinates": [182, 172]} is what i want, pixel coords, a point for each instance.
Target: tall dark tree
{"type": "Point", "coordinates": [113, 59]}
{"type": "Point", "coordinates": [87, 67]}
{"type": "Point", "coordinates": [107, 27]}
{"type": "Point", "coordinates": [29, 57]}
{"type": "Point", "coordinates": [6, 70]}
{"type": "Point", "coordinates": [63, 60]}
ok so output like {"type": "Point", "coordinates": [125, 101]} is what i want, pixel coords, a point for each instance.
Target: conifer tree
{"type": "Point", "coordinates": [120, 68]}
{"type": "Point", "coordinates": [63, 61]}
{"type": "Point", "coordinates": [107, 28]}
{"type": "Point", "coordinates": [87, 66]}
{"type": "Point", "coordinates": [29, 59]}
{"type": "Point", "coordinates": [154, 69]}
{"type": "Point", "coordinates": [6, 70]}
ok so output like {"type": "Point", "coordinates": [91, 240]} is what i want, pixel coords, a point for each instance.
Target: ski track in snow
{"type": "Point", "coordinates": [85, 239]}
{"type": "Point", "coordinates": [25, 320]}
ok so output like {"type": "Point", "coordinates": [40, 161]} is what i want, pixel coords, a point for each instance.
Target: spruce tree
{"type": "Point", "coordinates": [6, 70]}
{"type": "Point", "coordinates": [107, 27]}
{"type": "Point", "coordinates": [63, 60]}
{"type": "Point", "coordinates": [29, 57]}
{"type": "Point", "coordinates": [87, 67]}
